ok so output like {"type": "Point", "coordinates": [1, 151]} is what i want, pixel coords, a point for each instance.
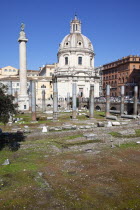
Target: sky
{"type": "Point", "coordinates": [113, 26]}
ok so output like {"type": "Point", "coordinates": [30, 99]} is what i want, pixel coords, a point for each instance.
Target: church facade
{"type": "Point", "coordinates": [76, 64]}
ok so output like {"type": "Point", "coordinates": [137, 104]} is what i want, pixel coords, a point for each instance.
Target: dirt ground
{"type": "Point", "coordinates": [64, 170]}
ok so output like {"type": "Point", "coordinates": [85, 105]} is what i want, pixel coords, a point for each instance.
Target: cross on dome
{"type": "Point", "coordinates": [75, 17]}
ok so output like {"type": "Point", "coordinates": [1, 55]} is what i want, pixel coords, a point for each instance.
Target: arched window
{"type": "Point", "coordinates": [79, 60]}
{"type": "Point", "coordinates": [66, 60]}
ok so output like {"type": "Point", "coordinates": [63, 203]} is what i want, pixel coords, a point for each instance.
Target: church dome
{"type": "Point", "coordinates": [76, 41]}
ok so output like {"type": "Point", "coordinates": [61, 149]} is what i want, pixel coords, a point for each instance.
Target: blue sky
{"type": "Point", "coordinates": [113, 26]}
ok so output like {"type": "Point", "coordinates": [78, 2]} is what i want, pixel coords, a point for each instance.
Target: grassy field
{"type": "Point", "coordinates": [42, 175]}
{"type": "Point", "coordinates": [62, 116]}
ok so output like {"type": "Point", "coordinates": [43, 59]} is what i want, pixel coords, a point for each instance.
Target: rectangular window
{"type": "Point", "coordinates": [74, 27]}
{"type": "Point", "coordinates": [81, 92]}
{"type": "Point", "coordinates": [91, 62]}
{"type": "Point", "coordinates": [66, 60]}
{"type": "Point", "coordinates": [79, 60]}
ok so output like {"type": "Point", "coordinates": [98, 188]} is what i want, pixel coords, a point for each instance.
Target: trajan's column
{"type": "Point", "coordinates": [23, 100]}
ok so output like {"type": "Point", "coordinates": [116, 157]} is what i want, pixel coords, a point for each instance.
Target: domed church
{"type": "Point", "coordinates": [76, 63]}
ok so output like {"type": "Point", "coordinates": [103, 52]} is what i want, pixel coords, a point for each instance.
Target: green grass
{"type": "Point", "coordinates": [129, 145]}
{"type": "Point", "coordinates": [62, 118]}
{"type": "Point", "coordinates": [99, 115]}
{"type": "Point", "coordinates": [70, 179]}
{"type": "Point", "coordinates": [66, 145]}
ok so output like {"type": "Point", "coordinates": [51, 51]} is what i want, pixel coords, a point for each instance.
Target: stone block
{"type": "Point", "coordinates": [20, 131]}
{"type": "Point", "coordinates": [109, 124]}
{"type": "Point", "coordinates": [58, 129]}
{"type": "Point", "coordinates": [116, 123]}
{"type": "Point", "coordinates": [124, 123]}
{"type": "Point", "coordinates": [69, 127]}
{"type": "Point", "coordinates": [49, 118]}
{"type": "Point", "coordinates": [128, 132]}
{"type": "Point", "coordinates": [45, 129]}
{"type": "Point", "coordinates": [27, 131]}
{"type": "Point", "coordinates": [49, 112]}
{"type": "Point", "coordinates": [90, 136]}
{"type": "Point", "coordinates": [55, 128]}
{"type": "Point", "coordinates": [82, 127]}
{"type": "Point", "coordinates": [111, 117]}
{"type": "Point", "coordinates": [100, 124]}
{"type": "Point", "coordinates": [74, 127]}
{"type": "Point", "coordinates": [88, 126]}
{"type": "Point", "coordinates": [6, 162]}
{"type": "Point", "coordinates": [26, 126]}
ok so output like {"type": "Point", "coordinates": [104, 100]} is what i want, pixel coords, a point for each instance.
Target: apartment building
{"type": "Point", "coordinates": [124, 71]}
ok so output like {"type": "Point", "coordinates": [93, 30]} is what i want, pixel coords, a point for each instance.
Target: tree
{"type": "Point", "coordinates": [7, 106]}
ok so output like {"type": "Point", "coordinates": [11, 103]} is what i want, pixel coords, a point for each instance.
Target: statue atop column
{"type": "Point", "coordinates": [22, 26]}
{"type": "Point", "coordinates": [22, 35]}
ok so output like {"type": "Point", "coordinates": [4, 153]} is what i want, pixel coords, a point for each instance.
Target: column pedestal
{"type": "Point", "coordinates": [23, 102]}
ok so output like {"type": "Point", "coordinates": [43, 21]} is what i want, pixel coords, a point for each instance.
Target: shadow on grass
{"type": "Point", "coordinates": [11, 140]}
